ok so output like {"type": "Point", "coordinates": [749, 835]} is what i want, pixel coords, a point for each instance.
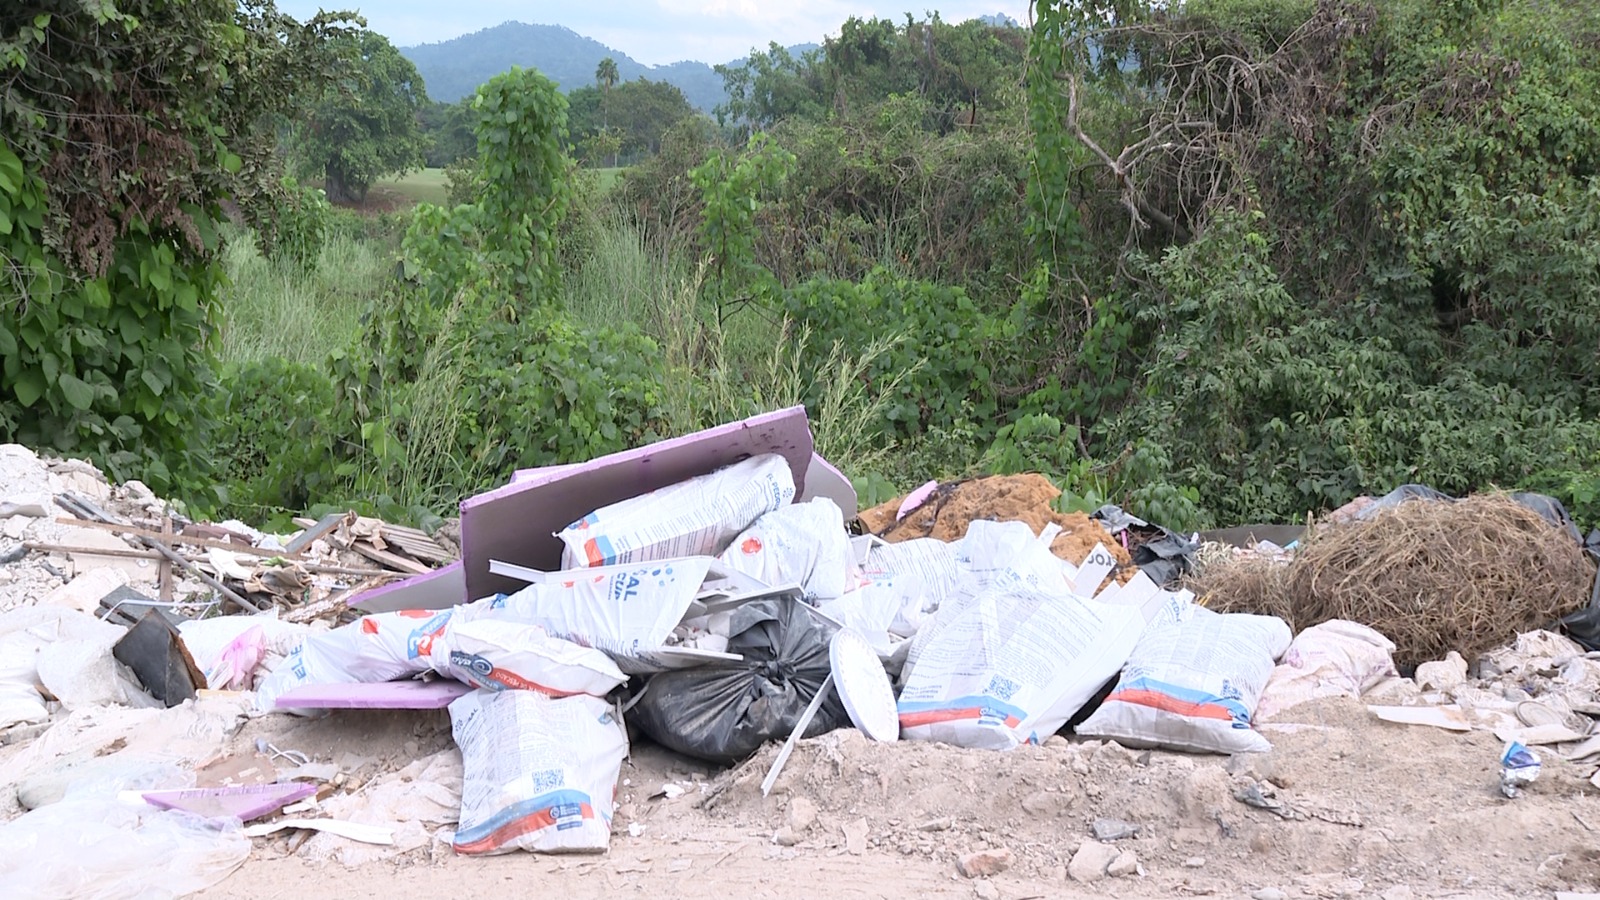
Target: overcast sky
{"type": "Point", "coordinates": [651, 31]}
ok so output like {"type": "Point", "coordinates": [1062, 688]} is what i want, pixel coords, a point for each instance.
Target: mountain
{"type": "Point", "coordinates": [453, 69]}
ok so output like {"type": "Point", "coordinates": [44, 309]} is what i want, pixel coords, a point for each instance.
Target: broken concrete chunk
{"type": "Point", "coordinates": [1091, 861]}
{"type": "Point", "coordinates": [84, 592]}
{"type": "Point", "coordinates": [801, 815]}
{"type": "Point", "coordinates": [1442, 675]}
{"type": "Point", "coordinates": [1126, 863]}
{"type": "Point", "coordinates": [985, 863]}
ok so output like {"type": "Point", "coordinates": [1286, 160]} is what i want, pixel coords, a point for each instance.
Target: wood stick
{"type": "Point", "coordinates": [136, 531]}
{"type": "Point", "coordinates": [93, 551]}
{"type": "Point", "coordinates": [166, 564]}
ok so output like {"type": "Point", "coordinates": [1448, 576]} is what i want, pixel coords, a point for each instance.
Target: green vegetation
{"type": "Point", "coordinates": [1218, 261]}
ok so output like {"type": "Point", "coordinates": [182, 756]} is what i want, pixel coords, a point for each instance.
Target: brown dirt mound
{"type": "Point", "coordinates": [999, 498]}
{"type": "Point", "coordinates": [1433, 577]}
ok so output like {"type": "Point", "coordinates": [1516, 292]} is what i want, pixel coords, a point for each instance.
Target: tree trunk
{"type": "Point", "coordinates": [340, 190]}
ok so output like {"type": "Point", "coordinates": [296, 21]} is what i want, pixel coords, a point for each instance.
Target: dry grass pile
{"type": "Point", "coordinates": [1433, 577]}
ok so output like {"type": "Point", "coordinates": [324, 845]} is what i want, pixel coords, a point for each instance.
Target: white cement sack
{"type": "Point", "coordinates": [1011, 665]}
{"type": "Point", "coordinates": [698, 517]}
{"type": "Point", "coordinates": [538, 773]}
{"type": "Point", "coordinates": [1337, 658]}
{"type": "Point", "coordinates": [885, 612]}
{"type": "Point", "coordinates": [931, 562]}
{"type": "Point", "coordinates": [502, 655]}
{"type": "Point", "coordinates": [20, 700]}
{"type": "Point", "coordinates": [802, 544]}
{"type": "Point", "coordinates": [375, 648]}
{"type": "Point", "coordinates": [1194, 686]}
{"type": "Point", "coordinates": [625, 611]}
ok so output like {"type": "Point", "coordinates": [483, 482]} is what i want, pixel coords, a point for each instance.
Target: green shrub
{"type": "Point", "coordinates": [277, 437]}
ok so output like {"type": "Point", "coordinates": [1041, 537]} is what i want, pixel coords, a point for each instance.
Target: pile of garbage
{"type": "Point", "coordinates": [717, 593]}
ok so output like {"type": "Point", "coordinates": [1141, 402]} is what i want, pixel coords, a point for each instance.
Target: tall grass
{"type": "Point", "coordinates": [278, 308]}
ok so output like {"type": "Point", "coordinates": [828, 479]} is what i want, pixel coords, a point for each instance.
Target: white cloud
{"type": "Point", "coordinates": [653, 32]}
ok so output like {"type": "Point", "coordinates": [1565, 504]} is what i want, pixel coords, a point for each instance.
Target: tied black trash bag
{"type": "Point", "coordinates": [1164, 556]}
{"type": "Point", "coordinates": [723, 713]}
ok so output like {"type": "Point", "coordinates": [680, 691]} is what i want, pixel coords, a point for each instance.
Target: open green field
{"type": "Point", "coordinates": [430, 186]}
{"type": "Point", "coordinates": [423, 186]}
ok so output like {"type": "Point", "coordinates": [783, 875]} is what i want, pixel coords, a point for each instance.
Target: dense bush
{"type": "Point", "coordinates": [278, 437]}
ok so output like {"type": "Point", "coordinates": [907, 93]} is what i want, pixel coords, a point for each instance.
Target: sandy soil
{"type": "Point", "coordinates": [1375, 810]}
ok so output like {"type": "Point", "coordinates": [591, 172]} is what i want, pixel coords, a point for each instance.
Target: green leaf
{"type": "Point", "coordinates": [10, 170]}
{"type": "Point", "coordinates": [29, 387]}
{"type": "Point", "coordinates": [77, 392]}
{"type": "Point", "coordinates": [153, 382]}
{"type": "Point", "coordinates": [8, 342]}
{"type": "Point", "coordinates": [231, 163]}
{"type": "Point", "coordinates": [5, 221]}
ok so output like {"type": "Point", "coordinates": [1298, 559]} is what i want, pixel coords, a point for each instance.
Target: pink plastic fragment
{"type": "Point", "coordinates": [383, 695]}
{"type": "Point", "coordinates": [244, 802]}
{"type": "Point", "coordinates": [915, 499]}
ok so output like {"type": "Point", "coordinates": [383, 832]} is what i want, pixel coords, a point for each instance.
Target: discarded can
{"type": "Point", "coordinates": [1519, 767]}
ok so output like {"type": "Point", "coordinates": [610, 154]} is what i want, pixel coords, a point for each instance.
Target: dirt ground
{"type": "Point", "coordinates": [1375, 810]}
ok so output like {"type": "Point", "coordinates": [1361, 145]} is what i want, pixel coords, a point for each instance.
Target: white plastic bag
{"type": "Point", "coordinates": [375, 648]}
{"type": "Point", "coordinates": [698, 517]}
{"type": "Point", "coordinates": [1337, 658]}
{"type": "Point", "coordinates": [90, 845]}
{"type": "Point", "coordinates": [1011, 665]}
{"type": "Point", "coordinates": [802, 544]}
{"type": "Point", "coordinates": [886, 612]}
{"type": "Point", "coordinates": [625, 610]}
{"type": "Point", "coordinates": [500, 654]}
{"type": "Point", "coordinates": [1194, 686]}
{"type": "Point", "coordinates": [538, 773]}
{"type": "Point", "coordinates": [232, 650]}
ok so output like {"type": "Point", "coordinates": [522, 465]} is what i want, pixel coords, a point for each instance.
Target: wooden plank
{"type": "Point", "coordinates": [393, 561]}
{"type": "Point", "coordinates": [177, 538]}
{"type": "Point", "coordinates": [312, 532]}
{"type": "Point", "coordinates": [417, 544]}
{"type": "Point", "coordinates": [166, 564]}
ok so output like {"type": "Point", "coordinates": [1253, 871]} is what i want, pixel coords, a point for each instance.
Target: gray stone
{"type": "Point", "coordinates": [986, 890]}
{"type": "Point", "coordinates": [1107, 829]}
{"type": "Point", "coordinates": [1269, 894]}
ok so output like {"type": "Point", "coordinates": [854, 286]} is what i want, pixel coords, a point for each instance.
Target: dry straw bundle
{"type": "Point", "coordinates": [1433, 576]}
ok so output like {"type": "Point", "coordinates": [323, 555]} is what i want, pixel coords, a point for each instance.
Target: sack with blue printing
{"type": "Point", "coordinates": [698, 517]}
{"type": "Point", "coordinates": [379, 647]}
{"type": "Point", "coordinates": [500, 654]}
{"type": "Point", "coordinates": [538, 773]}
{"type": "Point", "coordinates": [803, 544]}
{"type": "Point", "coordinates": [1194, 685]}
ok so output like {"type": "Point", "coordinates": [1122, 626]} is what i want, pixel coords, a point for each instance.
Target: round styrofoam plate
{"type": "Point", "coordinates": [863, 686]}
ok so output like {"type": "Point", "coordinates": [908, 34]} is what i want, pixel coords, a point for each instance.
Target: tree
{"type": "Point", "coordinates": [448, 128]}
{"type": "Point", "coordinates": [641, 112]}
{"type": "Point", "coordinates": [368, 125]}
{"type": "Point", "coordinates": [124, 126]}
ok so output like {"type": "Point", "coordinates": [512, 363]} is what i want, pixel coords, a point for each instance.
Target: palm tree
{"type": "Point", "coordinates": [605, 75]}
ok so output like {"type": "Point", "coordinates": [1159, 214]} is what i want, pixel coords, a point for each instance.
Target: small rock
{"type": "Point", "coordinates": [1398, 892]}
{"type": "Point", "coordinates": [855, 836]}
{"type": "Point", "coordinates": [1091, 861]}
{"type": "Point", "coordinates": [1058, 873]}
{"type": "Point", "coordinates": [1044, 803]}
{"type": "Point", "coordinates": [944, 824]}
{"type": "Point", "coordinates": [1257, 766]}
{"type": "Point", "coordinates": [801, 815]}
{"type": "Point", "coordinates": [1442, 675]}
{"type": "Point", "coordinates": [679, 865]}
{"type": "Point", "coordinates": [1194, 862]}
{"type": "Point", "coordinates": [1079, 765]}
{"type": "Point", "coordinates": [1514, 694]}
{"type": "Point", "coordinates": [1126, 863]}
{"type": "Point", "coordinates": [985, 863]}
{"type": "Point", "coordinates": [1269, 894]}
{"type": "Point", "coordinates": [787, 837]}
{"type": "Point", "coordinates": [1114, 754]}
{"type": "Point", "coordinates": [986, 890]}
{"type": "Point", "coordinates": [1106, 829]}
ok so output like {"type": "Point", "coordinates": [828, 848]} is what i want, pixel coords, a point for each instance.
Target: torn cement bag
{"type": "Point", "coordinates": [723, 712]}
{"type": "Point", "coordinates": [931, 561]}
{"type": "Point", "coordinates": [538, 773]}
{"type": "Point", "coordinates": [1011, 664]}
{"type": "Point", "coordinates": [498, 654]}
{"type": "Point", "coordinates": [1337, 658]}
{"type": "Point", "coordinates": [698, 517]}
{"type": "Point", "coordinates": [1194, 686]}
{"type": "Point", "coordinates": [379, 647]}
{"type": "Point", "coordinates": [627, 611]}
{"type": "Point", "coordinates": [802, 544]}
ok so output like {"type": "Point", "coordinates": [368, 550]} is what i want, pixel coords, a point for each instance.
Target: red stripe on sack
{"type": "Point", "coordinates": [935, 716]}
{"type": "Point", "coordinates": [592, 551]}
{"type": "Point", "coordinates": [510, 831]}
{"type": "Point", "coordinates": [1171, 704]}
{"type": "Point", "coordinates": [517, 682]}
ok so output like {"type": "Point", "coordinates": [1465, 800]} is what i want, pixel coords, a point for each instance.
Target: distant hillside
{"type": "Point", "coordinates": [453, 69]}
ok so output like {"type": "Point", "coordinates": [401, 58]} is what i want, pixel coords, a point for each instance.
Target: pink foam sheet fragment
{"type": "Point", "coordinates": [440, 589]}
{"type": "Point", "coordinates": [517, 523]}
{"type": "Point", "coordinates": [915, 499]}
{"type": "Point", "coordinates": [243, 802]}
{"type": "Point", "coordinates": [382, 695]}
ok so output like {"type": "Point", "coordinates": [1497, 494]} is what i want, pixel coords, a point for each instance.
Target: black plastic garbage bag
{"type": "Point", "coordinates": [1164, 555]}
{"type": "Point", "coordinates": [723, 713]}
{"type": "Point", "coordinates": [1583, 626]}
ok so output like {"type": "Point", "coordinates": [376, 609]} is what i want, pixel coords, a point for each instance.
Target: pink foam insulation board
{"type": "Point", "coordinates": [439, 589]}
{"type": "Point", "coordinates": [384, 695]}
{"type": "Point", "coordinates": [244, 802]}
{"type": "Point", "coordinates": [517, 523]}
